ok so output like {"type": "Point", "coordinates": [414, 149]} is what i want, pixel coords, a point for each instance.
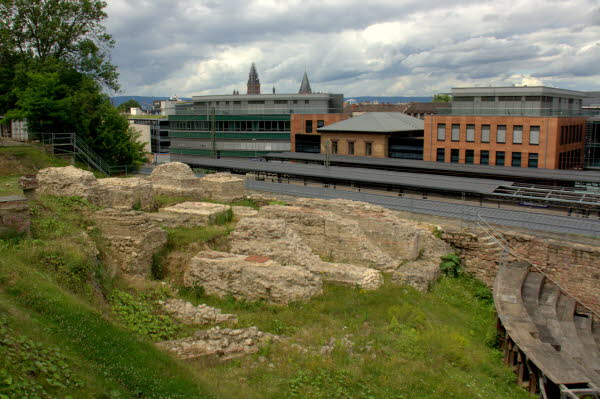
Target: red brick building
{"type": "Point", "coordinates": [536, 127]}
{"type": "Point", "coordinates": [304, 136]}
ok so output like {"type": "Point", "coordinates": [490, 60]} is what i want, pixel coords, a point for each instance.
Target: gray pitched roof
{"type": "Point", "coordinates": [377, 122]}
{"type": "Point", "coordinates": [305, 86]}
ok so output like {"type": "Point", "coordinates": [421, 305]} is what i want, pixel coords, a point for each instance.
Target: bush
{"type": "Point", "coordinates": [451, 265]}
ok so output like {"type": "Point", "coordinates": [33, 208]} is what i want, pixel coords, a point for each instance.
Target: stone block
{"type": "Point", "coordinates": [175, 179]}
{"type": "Point", "coordinates": [129, 193]}
{"type": "Point", "coordinates": [189, 314]}
{"type": "Point", "coordinates": [245, 277]}
{"type": "Point", "coordinates": [14, 215]}
{"type": "Point", "coordinates": [222, 187]}
{"type": "Point", "coordinates": [189, 214]}
{"type": "Point", "coordinates": [68, 181]}
{"type": "Point", "coordinates": [131, 241]}
{"type": "Point", "coordinates": [275, 239]}
{"type": "Point", "coordinates": [243, 212]}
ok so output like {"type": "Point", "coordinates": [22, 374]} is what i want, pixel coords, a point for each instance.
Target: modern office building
{"type": "Point", "coordinates": [537, 127]}
{"type": "Point", "coordinates": [592, 143]}
{"type": "Point", "coordinates": [376, 134]}
{"type": "Point", "coordinates": [305, 136]}
{"type": "Point", "coordinates": [240, 125]}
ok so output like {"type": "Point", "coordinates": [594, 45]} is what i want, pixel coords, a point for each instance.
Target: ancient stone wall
{"type": "Point", "coordinates": [14, 215]}
{"type": "Point", "coordinates": [574, 266]}
{"type": "Point", "coordinates": [131, 241]}
{"type": "Point", "coordinates": [222, 187]}
{"type": "Point", "coordinates": [175, 179]}
{"type": "Point", "coordinates": [129, 193]}
{"type": "Point", "coordinates": [189, 214]}
{"type": "Point", "coordinates": [68, 181]}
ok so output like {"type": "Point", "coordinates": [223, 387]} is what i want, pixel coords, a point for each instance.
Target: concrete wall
{"type": "Point", "coordinates": [144, 135]}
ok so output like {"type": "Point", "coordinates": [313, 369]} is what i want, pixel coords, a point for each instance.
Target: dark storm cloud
{"type": "Point", "coordinates": [356, 47]}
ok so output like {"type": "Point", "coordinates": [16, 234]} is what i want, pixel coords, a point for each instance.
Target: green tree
{"type": "Point", "coordinates": [441, 98]}
{"type": "Point", "coordinates": [127, 105]}
{"type": "Point", "coordinates": [54, 60]}
{"type": "Point", "coordinates": [66, 30]}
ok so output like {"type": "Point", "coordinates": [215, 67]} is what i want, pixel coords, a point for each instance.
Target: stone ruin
{"type": "Point", "coordinates": [129, 193]}
{"type": "Point", "coordinates": [275, 239]}
{"type": "Point", "coordinates": [14, 215]}
{"type": "Point", "coordinates": [243, 212]}
{"type": "Point", "coordinates": [218, 344]}
{"type": "Point", "coordinates": [177, 179]}
{"type": "Point", "coordinates": [189, 214]}
{"type": "Point", "coordinates": [189, 314]}
{"type": "Point", "coordinates": [131, 240]}
{"type": "Point", "coordinates": [68, 181]}
{"type": "Point", "coordinates": [250, 277]}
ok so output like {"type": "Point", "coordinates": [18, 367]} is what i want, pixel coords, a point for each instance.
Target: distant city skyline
{"type": "Point", "coordinates": [385, 48]}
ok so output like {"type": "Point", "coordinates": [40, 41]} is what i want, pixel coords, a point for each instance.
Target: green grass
{"type": "Point", "coordinates": [56, 284]}
{"type": "Point", "coordinates": [9, 185]}
{"type": "Point", "coordinates": [407, 344]}
{"type": "Point", "coordinates": [21, 160]}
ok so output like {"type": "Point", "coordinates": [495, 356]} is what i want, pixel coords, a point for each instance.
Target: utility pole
{"type": "Point", "coordinates": [213, 132]}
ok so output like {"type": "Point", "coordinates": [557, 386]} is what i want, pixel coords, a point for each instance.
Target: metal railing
{"type": "Point", "coordinates": [507, 250]}
{"type": "Point", "coordinates": [72, 145]}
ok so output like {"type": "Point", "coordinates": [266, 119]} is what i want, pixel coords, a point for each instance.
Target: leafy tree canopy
{"type": "Point", "coordinates": [67, 30]}
{"type": "Point", "coordinates": [441, 98]}
{"type": "Point", "coordinates": [127, 105]}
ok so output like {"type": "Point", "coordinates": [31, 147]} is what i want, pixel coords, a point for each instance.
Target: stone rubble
{"type": "Point", "coordinates": [68, 181]}
{"type": "Point", "coordinates": [219, 344]}
{"type": "Point", "coordinates": [189, 214]}
{"type": "Point", "coordinates": [275, 239]}
{"type": "Point", "coordinates": [222, 187]}
{"type": "Point", "coordinates": [129, 193]}
{"type": "Point", "coordinates": [243, 212]}
{"type": "Point", "coordinates": [131, 240]}
{"type": "Point", "coordinates": [175, 179]}
{"type": "Point", "coordinates": [14, 215]}
{"type": "Point", "coordinates": [332, 237]}
{"type": "Point", "coordinates": [250, 277]}
{"type": "Point", "coordinates": [202, 314]}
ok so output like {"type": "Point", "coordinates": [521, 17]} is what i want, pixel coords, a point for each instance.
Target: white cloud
{"type": "Point", "coordinates": [383, 47]}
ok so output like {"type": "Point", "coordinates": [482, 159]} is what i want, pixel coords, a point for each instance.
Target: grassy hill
{"type": "Point", "coordinates": [69, 330]}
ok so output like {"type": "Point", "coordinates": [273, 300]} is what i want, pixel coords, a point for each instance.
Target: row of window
{"type": "Point", "coordinates": [351, 147]}
{"type": "Point", "coordinates": [545, 99]}
{"type": "Point", "coordinates": [309, 125]}
{"type": "Point", "coordinates": [484, 157]}
{"type": "Point", "coordinates": [256, 102]}
{"type": "Point", "coordinates": [570, 134]}
{"type": "Point", "coordinates": [486, 132]}
{"type": "Point", "coordinates": [570, 159]}
{"type": "Point", "coordinates": [232, 126]}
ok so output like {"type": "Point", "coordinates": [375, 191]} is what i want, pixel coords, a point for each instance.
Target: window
{"type": "Point", "coordinates": [308, 126]}
{"type": "Point", "coordinates": [509, 98]}
{"type": "Point", "coordinates": [295, 101]}
{"type": "Point", "coordinates": [306, 101]}
{"type": "Point", "coordinates": [368, 149]}
{"type": "Point", "coordinates": [454, 155]}
{"type": "Point", "coordinates": [533, 160]}
{"type": "Point", "coordinates": [517, 134]}
{"type": "Point", "coordinates": [463, 98]}
{"type": "Point", "coordinates": [469, 156]}
{"type": "Point", "coordinates": [501, 134]}
{"type": "Point", "coordinates": [471, 133]}
{"type": "Point", "coordinates": [516, 160]}
{"type": "Point", "coordinates": [256, 102]}
{"type": "Point", "coordinates": [488, 98]}
{"type": "Point", "coordinates": [334, 146]}
{"type": "Point", "coordinates": [441, 155]}
{"type": "Point", "coordinates": [485, 133]}
{"type": "Point", "coordinates": [534, 135]}
{"type": "Point", "coordinates": [320, 124]}
{"type": "Point", "coordinates": [351, 148]}
{"type": "Point", "coordinates": [281, 101]}
{"type": "Point", "coordinates": [455, 132]}
{"type": "Point", "coordinates": [500, 158]}
{"type": "Point", "coordinates": [484, 158]}
{"type": "Point", "coordinates": [533, 98]}
{"type": "Point", "coordinates": [441, 132]}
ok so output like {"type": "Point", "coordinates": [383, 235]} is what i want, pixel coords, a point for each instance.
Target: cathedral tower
{"type": "Point", "coordinates": [253, 81]}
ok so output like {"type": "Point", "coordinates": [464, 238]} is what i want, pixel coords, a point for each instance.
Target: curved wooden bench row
{"type": "Point", "coordinates": [532, 318]}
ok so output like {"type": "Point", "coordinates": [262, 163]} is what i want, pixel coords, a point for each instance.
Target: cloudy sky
{"type": "Point", "coordinates": [355, 47]}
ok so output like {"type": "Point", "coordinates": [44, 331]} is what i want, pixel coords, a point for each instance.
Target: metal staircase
{"type": "Point", "coordinates": [69, 144]}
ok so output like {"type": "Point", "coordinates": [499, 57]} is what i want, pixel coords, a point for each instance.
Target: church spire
{"type": "Point", "coordinates": [253, 81]}
{"type": "Point", "coordinates": [305, 86]}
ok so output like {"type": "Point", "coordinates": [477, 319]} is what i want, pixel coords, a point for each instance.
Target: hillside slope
{"type": "Point", "coordinates": [69, 330]}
